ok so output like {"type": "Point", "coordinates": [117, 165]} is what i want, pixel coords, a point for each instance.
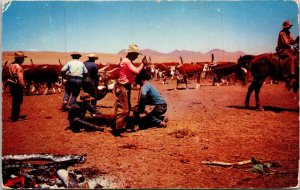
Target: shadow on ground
{"type": "Point", "coordinates": [267, 108]}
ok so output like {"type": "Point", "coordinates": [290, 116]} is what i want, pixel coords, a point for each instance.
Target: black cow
{"type": "Point", "coordinates": [42, 74]}
{"type": "Point", "coordinates": [222, 70]}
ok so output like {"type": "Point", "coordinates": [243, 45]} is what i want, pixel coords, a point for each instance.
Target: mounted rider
{"type": "Point", "coordinates": [284, 50]}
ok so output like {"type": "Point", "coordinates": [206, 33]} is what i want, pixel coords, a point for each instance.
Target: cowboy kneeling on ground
{"type": "Point", "coordinates": [149, 96]}
{"type": "Point", "coordinates": [77, 111]}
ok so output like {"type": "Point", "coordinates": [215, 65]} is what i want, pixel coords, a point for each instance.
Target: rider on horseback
{"type": "Point", "coordinates": [284, 50]}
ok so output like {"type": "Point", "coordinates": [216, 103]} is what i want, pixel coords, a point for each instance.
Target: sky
{"type": "Point", "coordinates": [164, 26]}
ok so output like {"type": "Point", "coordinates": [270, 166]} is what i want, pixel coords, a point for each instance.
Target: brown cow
{"type": "Point", "coordinates": [186, 70]}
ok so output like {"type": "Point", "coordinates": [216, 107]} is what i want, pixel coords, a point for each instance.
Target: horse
{"type": "Point", "coordinates": [264, 65]}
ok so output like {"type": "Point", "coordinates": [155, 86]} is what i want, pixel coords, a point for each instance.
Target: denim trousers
{"type": "Point", "coordinates": [153, 116]}
{"type": "Point", "coordinates": [73, 87]}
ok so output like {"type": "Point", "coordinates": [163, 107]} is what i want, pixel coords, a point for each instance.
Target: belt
{"type": "Point", "coordinates": [76, 77]}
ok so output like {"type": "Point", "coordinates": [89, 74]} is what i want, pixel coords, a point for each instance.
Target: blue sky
{"type": "Point", "coordinates": [109, 26]}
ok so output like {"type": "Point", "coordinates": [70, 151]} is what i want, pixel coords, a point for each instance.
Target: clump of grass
{"type": "Point", "coordinates": [182, 133]}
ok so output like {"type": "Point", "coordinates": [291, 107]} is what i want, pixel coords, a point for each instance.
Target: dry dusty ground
{"type": "Point", "coordinates": [209, 123]}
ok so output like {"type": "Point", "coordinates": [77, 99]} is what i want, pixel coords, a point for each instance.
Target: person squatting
{"type": "Point", "coordinates": [83, 75]}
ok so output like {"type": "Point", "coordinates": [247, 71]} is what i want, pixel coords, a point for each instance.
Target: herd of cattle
{"type": "Point", "coordinates": [50, 76]}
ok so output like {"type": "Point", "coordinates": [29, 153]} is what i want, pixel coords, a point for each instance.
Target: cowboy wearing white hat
{"type": "Point", "coordinates": [16, 85]}
{"type": "Point", "coordinates": [284, 50]}
{"type": "Point", "coordinates": [133, 48]}
{"type": "Point", "coordinates": [92, 56]}
{"type": "Point", "coordinates": [123, 87]}
{"type": "Point", "coordinates": [90, 82]}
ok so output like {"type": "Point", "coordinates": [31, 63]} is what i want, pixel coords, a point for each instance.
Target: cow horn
{"type": "Point", "coordinates": [181, 60]}
{"type": "Point", "coordinates": [244, 70]}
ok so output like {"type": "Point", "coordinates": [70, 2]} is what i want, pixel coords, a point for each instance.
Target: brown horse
{"type": "Point", "coordinates": [264, 65]}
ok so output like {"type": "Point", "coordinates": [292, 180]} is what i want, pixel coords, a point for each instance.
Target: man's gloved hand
{"type": "Point", "coordinates": [145, 61]}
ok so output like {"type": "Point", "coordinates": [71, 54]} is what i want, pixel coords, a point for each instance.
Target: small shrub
{"type": "Point", "coordinates": [182, 132]}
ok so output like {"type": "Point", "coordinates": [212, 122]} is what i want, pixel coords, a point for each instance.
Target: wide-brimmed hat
{"type": "Point", "coordinates": [133, 48]}
{"type": "Point", "coordinates": [286, 24]}
{"type": "Point", "coordinates": [75, 54]}
{"type": "Point", "coordinates": [91, 55]}
{"type": "Point", "coordinates": [84, 97]}
{"type": "Point", "coordinates": [19, 54]}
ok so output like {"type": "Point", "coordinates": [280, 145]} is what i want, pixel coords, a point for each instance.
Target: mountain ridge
{"type": "Point", "coordinates": [41, 57]}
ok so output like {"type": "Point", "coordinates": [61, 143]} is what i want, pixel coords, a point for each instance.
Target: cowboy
{"type": "Point", "coordinates": [77, 111]}
{"type": "Point", "coordinates": [16, 85]}
{"type": "Point", "coordinates": [123, 88]}
{"type": "Point", "coordinates": [90, 83]}
{"type": "Point", "coordinates": [284, 50]}
{"type": "Point", "coordinates": [150, 96]}
{"type": "Point", "coordinates": [75, 71]}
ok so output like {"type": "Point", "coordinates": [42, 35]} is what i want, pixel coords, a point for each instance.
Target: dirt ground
{"type": "Point", "coordinates": [206, 124]}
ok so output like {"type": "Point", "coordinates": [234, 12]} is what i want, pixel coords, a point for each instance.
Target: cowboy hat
{"type": "Point", "coordinates": [84, 97]}
{"type": "Point", "coordinates": [91, 55]}
{"type": "Point", "coordinates": [75, 54]}
{"type": "Point", "coordinates": [133, 48]}
{"type": "Point", "coordinates": [286, 24]}
{"type": "Point", "coordinates": [19, 54]}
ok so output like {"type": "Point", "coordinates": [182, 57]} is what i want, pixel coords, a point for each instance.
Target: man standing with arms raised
{"type": "Point", "coordinates": [123, 88]}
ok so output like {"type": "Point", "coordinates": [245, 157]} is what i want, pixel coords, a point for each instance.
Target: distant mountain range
{"type": "Point", "coordinates": [192, 56]}
{"type": "Point", "coordinates": [49, 57]}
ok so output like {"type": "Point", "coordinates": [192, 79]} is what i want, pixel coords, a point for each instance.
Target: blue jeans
{"type": "Point", "coordinates": [73, 87]}
{"type": "Point", "coordinates": [88, 86]}
{"type": "Point", "coordinates": [154, 116]}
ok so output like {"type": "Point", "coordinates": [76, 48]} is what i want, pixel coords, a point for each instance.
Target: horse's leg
{"type": "Point", "coordinates": [257, 90]}
{"type": "Point", "coordinates": [249, 92]}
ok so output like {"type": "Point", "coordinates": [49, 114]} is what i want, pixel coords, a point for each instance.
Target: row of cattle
{"type": "Point", "coordinates": [51, 76]}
